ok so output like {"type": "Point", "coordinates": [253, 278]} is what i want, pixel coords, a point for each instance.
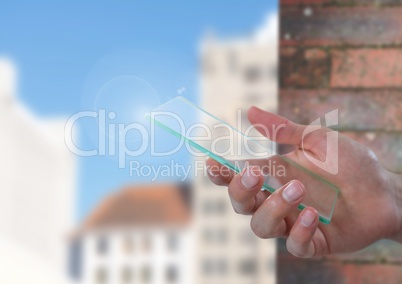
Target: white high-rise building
{"type": "Point", "coordinates": [235, 74]}
{"type": "Point", "coordinates": [37, 190]}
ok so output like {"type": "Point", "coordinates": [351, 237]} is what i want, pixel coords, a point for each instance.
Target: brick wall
{"type": "Point", "coordinates": [345, 54]}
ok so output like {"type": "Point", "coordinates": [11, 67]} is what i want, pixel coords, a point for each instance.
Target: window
{"type": "Point", "coordinates": [247, 267]}
{"type": "Point", "coordinates": [208, 267]}
{"type": "Point", "coordinates": [101, 276]}
{"type": "Point", "coordinates": [252, 74]}
{"type": "Point", "coordinates": [271, 265]}
{"type": "Point", "coordinates": [102, 245]}
{"type": "Point", "coordinates": [172, 274]}
{"type": "Point", "coordinates": [75, 259]}
{"type": "Point", "coordinates": [214, 207]}
{"type": "Point", "coordinates": [215, 236]}
{"type": "Point", "coordinates": [215, 266]}
{"type": "Point", "coordinates": [221, 268]}
{"type": "Point", "coordinates": [127, 275]}
{"type": "Point", "coordinates": [247, 236]}
{"type": "Point", "coordinates": [172, 242]}
{"type": "Point", "coordinates": [128, 244]}
{"type": "Point", "coordinates": [147, 243]}
{"type": "Point", "coordinates": [146, 274]}
{"type": "Point", "coordinates": [232, 61]}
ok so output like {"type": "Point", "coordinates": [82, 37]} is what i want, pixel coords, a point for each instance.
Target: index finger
{"type": "Point", "coordinates": [276, 128]}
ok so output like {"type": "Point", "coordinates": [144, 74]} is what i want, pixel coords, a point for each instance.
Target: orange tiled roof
{"type": "Point", "coordinates": [143, 205]}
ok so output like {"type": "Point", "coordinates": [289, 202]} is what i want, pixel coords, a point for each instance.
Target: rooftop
{"type": "Point", "coordinates": [141, 205]}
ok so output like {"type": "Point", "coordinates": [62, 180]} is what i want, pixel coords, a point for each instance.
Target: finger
{"type": "Point", "coordinates": [300, 242]}
{"type": "Point", "coordinates": [269, 219]}
{"type": "Point", "coordinates": [217, 173]}
{"type": "Point", "coordinates": [276, 128]}
{"type": "Point", "coordinates": [244, 188]}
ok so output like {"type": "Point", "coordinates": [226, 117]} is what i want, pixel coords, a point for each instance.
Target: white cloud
{"type": "Point", "coordinates": [269, 30]}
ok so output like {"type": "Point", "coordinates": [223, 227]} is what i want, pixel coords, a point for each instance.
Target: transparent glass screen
{"type": "Point", "coordinates": [208, 135]}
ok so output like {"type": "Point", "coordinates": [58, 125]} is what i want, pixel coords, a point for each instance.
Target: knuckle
{"type": "Point", "coordinates": [273, 205]}
{"type": "Point", "coordinates": [295, 248]}
{"type": "Point", "coordinates": [216, 179]}
{"type": "Point", "coordinates": [258, 229]}
{"type": "Point", "coordinates": [295, 252]}
{"type": "Point", "coordinates": [235, 191]}
{"type": "Point", "coordinates": [242, 208]}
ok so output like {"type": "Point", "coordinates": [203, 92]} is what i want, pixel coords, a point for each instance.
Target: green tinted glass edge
{"type": "Point", "coordinates": [224, 162]}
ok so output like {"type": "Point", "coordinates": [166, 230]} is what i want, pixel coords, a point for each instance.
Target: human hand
{"type": "Point", "coordinates": [368, 208]}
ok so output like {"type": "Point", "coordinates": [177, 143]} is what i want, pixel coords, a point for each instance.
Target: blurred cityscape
{"type": "Point", "coordinates": [142, 233]}
{"type": "Point", "coordinates": [78, 220]}
{"type": "Point", "coordinates": [332, 55]}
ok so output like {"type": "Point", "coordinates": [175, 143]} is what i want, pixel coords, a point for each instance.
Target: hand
{"type": "Point", "coordinates": [368, 208]}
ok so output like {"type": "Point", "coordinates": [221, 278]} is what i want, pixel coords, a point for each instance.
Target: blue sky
{"type": "Point", "coordinates": [70, 54]}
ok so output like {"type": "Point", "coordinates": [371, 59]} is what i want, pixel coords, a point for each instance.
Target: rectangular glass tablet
{"type": "Point", "coordinates": [208, 135]}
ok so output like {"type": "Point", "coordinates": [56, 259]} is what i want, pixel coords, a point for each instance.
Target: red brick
{"type": "Point", "coordinates": [383, 251]}
{"type": "Point", "coordinates": [369, 110]}
{"type": "Point", "coordinates": [375, 115]}
{"type": "Point", "coordinates": [315, 54]}
{"type": "Point", "coordinates": [304, 68]}
{"type": "Point", "coordinates": [317, 271]}
{"type": "Point", "coordinates": [303, 2]}
{"type": "Point", "coordinates": [288, 52]}
{"type": "Point", "coordinates": [312, 271]}
{"type": "Point", "coordinates": [376, 3]}
{"type": "Point", "coordinates": [366, 68]}
{"type": "Point", "coordinates": [340, 26]}
{"type": "Point", "coordinates": [372, 273]}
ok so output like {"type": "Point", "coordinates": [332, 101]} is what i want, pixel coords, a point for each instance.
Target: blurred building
{"type": "Point", "coordinates": [235, 74]}
{"type": "Point", "coordinates": [37, 188]}
{"type": "Point", "coordinates": [141, 234]}
{"type": "Point", "coordinates": [238, 73]}
{"type": "Point", "coordinates": [146, 234]}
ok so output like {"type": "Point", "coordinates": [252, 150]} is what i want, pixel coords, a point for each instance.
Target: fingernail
{"type": "Point", "coordinates": [308, 218]}
{"type": "Point", "coordinates": [210, 172]}
{"type": "Point", "coordinates": [292, 192]}
{"type": "Point", "coordinates": [249, 179]}
{"type": "Point", "coordinates": [208, 167]}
